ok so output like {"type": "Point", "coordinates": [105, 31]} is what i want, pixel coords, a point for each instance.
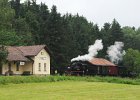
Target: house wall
{"type": "Point", "coordinates": [42, 58]}
{"type": "Point", "coordinates": [13, 68]}
{"type": "Point", "coordinates": [28, 67]}
{"type": "Point", "coordinates": [22, 68]}
{"type": "Point", "coordinates": [4, 68]}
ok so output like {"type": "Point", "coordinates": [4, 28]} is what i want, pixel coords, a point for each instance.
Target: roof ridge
{"type": "Point", "coordinates": [32, 45]}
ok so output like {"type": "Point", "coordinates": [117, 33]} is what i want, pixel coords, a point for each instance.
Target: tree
{"type": "Point", "coordinates": [43, 23]}
{"type": "Point", "coordinates": [31, 19]}
{"type": "Point", "coordinates": [116, 32]}
{"type": "Point", "coordinates": [131, 37]}
{"type": "Point", "coordinates": [7, 34]}
{"type": "Point", "coordinates": [15, 4]}
{"type": "Point", "coordinates": [3, 55]}
{"type": "Point", "coordinates": [132, 61]}
{"type": "Point", "coordinates": [9, 38]}
{"type": "Point", "coordinates": [6, 15]}
{"type": "Point", "coordinates": [106, 37]}
{"type": "Point", "coordinates": [22, 30]}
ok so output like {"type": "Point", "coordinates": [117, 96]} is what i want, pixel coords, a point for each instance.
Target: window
{"type": "Point", "coordinates": [39, 67]}
{"type": "Point", "coordinates": [17, 66]}
{"type": "Point", "coordinates": [42, 53]}
{"type": "Point", "coordinates": [45, 67]}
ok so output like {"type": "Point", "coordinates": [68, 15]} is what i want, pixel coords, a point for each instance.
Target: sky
{"type": "Point", "coordinates": [126, 12]}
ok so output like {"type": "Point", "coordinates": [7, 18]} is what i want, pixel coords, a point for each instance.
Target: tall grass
{"type": "Point", "coordinates": [36, 79]}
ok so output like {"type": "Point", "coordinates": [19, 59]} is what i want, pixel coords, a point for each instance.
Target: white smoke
{"type": "Point", "coordinates": [115, 52]}
{"type": "Point", "coordinates": [92, 52]}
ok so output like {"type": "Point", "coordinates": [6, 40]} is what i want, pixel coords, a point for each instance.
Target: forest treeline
{"type": "Point", "coordinates": [66, 36]}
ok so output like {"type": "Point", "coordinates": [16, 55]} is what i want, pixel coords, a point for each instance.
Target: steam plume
{"type": "Point", "coordinates": [92, 52]}
{"type": "Point", "coordinates": [115, 52]}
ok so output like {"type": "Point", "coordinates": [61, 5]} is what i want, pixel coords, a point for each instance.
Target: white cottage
{"type": "Point", "coordinates": [27, 60]}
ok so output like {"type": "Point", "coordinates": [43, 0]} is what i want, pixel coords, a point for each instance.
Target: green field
{"type": "Point", "coordinates": [70, 90]}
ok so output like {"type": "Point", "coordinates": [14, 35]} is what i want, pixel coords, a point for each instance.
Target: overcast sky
{"type": "Point", "coordinates": [126, 12]}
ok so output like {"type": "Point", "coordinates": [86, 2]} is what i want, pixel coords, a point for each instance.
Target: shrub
{"type": "Point", "coordinates": [36, 79]}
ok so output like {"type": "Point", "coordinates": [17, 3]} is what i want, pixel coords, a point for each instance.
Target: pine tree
{"type": "Point", "coordinates": [116, 32]}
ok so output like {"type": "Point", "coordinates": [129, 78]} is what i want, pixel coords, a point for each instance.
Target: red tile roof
{"type": "Point", "coordinates": [101, 62]}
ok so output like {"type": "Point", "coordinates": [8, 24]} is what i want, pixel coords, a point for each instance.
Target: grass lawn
{"type": "Point", "coordinates": [70, 90]}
